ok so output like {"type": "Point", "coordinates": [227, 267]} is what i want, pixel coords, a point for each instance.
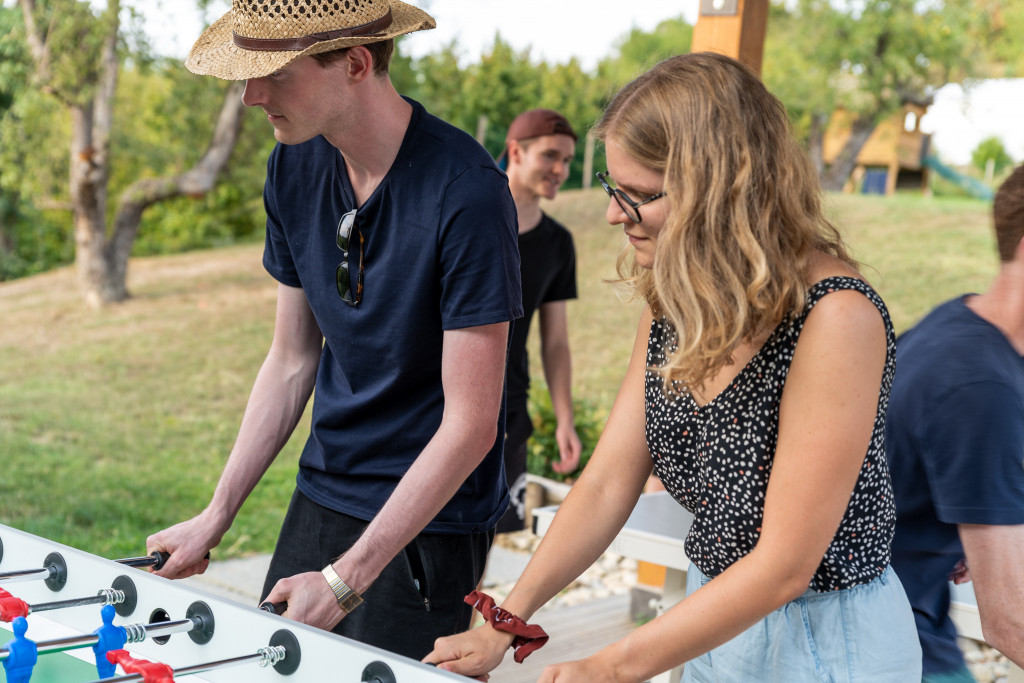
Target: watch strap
{"type": "Point", "coordinates": [347, 598]}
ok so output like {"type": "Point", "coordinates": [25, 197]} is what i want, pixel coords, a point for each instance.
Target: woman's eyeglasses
{"type": "Point", "coordinates": [625, 202]}
{"type": "Point", "coordinates": [345, 226]}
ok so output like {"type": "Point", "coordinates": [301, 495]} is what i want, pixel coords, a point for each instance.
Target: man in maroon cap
{"type": "Point", "coordinates": [539, 147]}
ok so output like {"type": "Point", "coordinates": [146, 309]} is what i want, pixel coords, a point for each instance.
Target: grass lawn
{"type": "Point", "coordinates": [116, 423]}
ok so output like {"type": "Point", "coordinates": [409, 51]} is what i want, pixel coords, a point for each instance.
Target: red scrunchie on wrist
{"type": "Point", "coordinates": [528, 637]}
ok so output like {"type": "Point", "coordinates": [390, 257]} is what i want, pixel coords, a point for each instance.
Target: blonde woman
{"type": "Point", "coordinates": [757, 392]}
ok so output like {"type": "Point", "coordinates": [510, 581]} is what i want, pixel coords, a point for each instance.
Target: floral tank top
{"type": "Point", "coordinates": [716, 459]}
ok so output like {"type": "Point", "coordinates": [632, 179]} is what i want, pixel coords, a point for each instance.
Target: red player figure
{"type": "Point", "coordinates": [152, 672]}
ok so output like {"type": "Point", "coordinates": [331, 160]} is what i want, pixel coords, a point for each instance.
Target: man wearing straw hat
{"type": "Point", "coordinates": [393, 239]}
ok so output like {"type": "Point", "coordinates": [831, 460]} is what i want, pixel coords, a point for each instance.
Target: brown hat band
{"type": "Point", "coordinates": [301, 43]}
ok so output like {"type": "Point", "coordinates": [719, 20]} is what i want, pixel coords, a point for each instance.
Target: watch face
{"type": "Point", "coordinates": [350, 601]}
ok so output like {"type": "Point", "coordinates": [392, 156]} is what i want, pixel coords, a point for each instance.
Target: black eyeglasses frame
{"type": "Point", "coordinates": [630, 208]}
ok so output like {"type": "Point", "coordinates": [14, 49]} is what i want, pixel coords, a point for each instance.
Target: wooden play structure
{"type": "Point", "coordinates": [892, 158]}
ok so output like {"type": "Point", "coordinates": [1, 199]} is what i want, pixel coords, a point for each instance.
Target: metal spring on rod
{"type": "Point", "coordinates": [112, 596]}
{"type": "Point", "coordinates": [136, 633]}
{"type": "Point", "coordinates": [269, 656]}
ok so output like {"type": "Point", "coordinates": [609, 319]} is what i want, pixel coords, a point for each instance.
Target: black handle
{"type": "Point", "coordinates": [274, 607]}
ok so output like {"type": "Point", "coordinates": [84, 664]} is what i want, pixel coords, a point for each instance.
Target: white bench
{"type": "Point", "coordinates": [654, 533]}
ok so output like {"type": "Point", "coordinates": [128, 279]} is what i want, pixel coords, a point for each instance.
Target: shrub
{"type": "Point", "coordinates": [542, 449]}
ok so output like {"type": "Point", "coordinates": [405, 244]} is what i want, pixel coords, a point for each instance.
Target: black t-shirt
{"type": "Point", "coordinates": [547, 261]}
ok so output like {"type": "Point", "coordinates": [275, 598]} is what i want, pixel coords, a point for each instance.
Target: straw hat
{"type": "Point", "coordinates": [258, 37]}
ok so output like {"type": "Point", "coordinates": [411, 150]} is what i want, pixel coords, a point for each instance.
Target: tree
{"type": "Point", "coordinates": [794, 75]}
{"type": "Point", "coordinates": [76, 60]}
{"type": "Point", "coordinates": [868, 58]}
{"type": "Point", "coordinates": [991, 151]}
{"type": "Point", "coordinates": [1000, 38]}
{"type": "Point", "coordinates": [504, 83]}
{"type": "Point", "coordinates": [637, 51]}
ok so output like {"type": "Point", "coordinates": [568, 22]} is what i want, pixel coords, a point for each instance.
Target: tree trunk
{"type": "Point", "coordinates": [102, 262]}
{"type": "Point", "coordinates": [816, 142]}
{"type": "Point", "coordinates": [839, 172]}
{"type": "Point", "coordinates": [195, 182]}
{"type": "Point", "coordinates": [88, 185]}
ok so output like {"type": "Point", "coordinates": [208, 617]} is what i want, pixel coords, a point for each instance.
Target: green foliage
{"type": "Point", "coordinates": [542, 448]}
{"type": "Point", "coordinates": [791, 70]}
{"type": "Point", "coordinates": [991, 149]}
{"type": "Point", "coordinates": [74, 72]}
{"type": "Point", "coordinates": [867, 57]}
{"type": "Point", "coordinates": [226, 215]}
{"type": "Point", "coordinates": [946, 189]}
{"type": "Point", "coordinates": [33, 241]}
{"type": "Point", "coordinates": [999, 37]}
{"type": "Point", "coordinates": [639, 50]}
{"type": "Point", "coordinates": [504, 83]}
{"type": "Point", "coordinates": [171, 110]}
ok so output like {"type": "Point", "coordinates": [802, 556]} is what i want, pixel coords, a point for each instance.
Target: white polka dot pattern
{"type": "Point", "coordinates": [716, 459]}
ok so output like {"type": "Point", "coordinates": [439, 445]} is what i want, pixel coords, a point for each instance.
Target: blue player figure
{"type": "Point", "coordinates": [22, 654]}
{"type": "Point", "coordinates": [110, 638]}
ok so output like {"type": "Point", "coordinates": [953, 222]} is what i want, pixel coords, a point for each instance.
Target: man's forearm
{"type": "Point", "coordinates": [429, 484]}
{"type": "Point", "coordinates": [468, 430]}
{"type": "Point", "coordinates": [275, 406]}
{"type": "Point", "coordinates": [557, 363]}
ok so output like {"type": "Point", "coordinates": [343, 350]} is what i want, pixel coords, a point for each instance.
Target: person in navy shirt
{"type": "Point", "coordinates": [955, 446]}
{"type": "Point", "coordinates": [392, 236]}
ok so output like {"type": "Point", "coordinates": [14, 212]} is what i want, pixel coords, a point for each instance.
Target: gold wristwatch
{"type": "Point", "coordinates": [348, 599]}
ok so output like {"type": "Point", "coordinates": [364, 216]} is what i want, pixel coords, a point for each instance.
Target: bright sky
{"type": "Point", "coordinates": [962, 117]}
{"type": "Point", "coordinates": [556, 30]}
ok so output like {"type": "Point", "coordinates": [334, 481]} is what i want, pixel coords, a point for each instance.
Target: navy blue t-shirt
{"type": "Point", "coordinates": [439, 253]}
{"type": "Point", "coordinates": [955, 446]}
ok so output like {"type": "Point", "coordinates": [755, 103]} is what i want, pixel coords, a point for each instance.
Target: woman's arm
{"type": "Point", "coordinates": [594, 511]}
{"type": "Point", "coordinates": [827, 415]}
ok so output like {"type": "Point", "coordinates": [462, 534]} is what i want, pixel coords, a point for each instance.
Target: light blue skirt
{"type": "Point", "coordinates": [861, 634]}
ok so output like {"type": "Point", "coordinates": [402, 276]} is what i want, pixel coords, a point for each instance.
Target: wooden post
{"type": "Point", "coordinates": [481, 128]}
{"type": "Point", "coordinates": [588, 161]}
{"type": "Point", "coordinates": [734, 28]}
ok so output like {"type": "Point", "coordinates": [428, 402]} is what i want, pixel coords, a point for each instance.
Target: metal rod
{"type": "Point", "coordinates": [76, 602]}
{"type": "Point", "coordinates": [107, 596]}
{"type": "Point", "coordinates": [166, 628]}
{"type": "Point", "coordinates": [26, 574]}
{"type": "Point", "coordinates": [266, 656]}
{"type": "Point", "coordinates": [146, 561]}
{"type": "Point", "coordinates": [157, 559]}
{"type": "Point", "coordinates": [159, 628]}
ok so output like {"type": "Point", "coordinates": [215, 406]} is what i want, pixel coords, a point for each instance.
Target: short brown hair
{"type": "Point", "coordinates": [1008, 214]}
{"type": "Point", "coordinates": [381, 52]}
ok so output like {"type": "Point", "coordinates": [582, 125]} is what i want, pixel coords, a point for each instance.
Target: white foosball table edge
{"type": "Point", "coordinates": [238, 629]}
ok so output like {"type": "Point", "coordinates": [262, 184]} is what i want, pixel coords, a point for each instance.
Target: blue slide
{"type": "Point", "coordinates": [972, 186]}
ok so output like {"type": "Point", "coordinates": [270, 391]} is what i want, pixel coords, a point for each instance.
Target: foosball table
{"type": "Point", "coordinates": [70, 617]}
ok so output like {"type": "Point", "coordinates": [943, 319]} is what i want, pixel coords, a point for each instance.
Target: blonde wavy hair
{"type": "Point", "coordinates": [744, 215]}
